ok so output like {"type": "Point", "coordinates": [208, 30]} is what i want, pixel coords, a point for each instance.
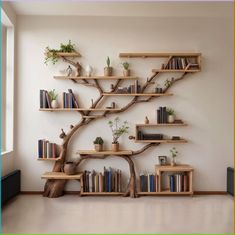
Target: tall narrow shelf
{"type": "Point", "coordinates": [97, 77]}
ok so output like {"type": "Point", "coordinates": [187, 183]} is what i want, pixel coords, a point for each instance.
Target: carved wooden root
{"type": "Point", "coordinates": [54, 188]}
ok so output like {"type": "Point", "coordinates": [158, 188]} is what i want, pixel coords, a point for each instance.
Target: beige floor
{"type": "Point", "coordinates": [72, 214]}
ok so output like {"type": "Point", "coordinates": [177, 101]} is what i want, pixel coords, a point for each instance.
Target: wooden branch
{"type": "Point", "coordinates": [144, 148]}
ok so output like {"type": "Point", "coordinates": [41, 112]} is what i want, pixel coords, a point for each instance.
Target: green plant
{"type": "Point", "coordinates": [167, 83]}
{"type": "Point", "coordinates": [173, 152]}
{"type": "Point", "coordinates": [126, 65]}
{"type": "Point", "coordinates": [98, 140]}
{"type": "Point", "coordinates": [118, 129]}
{"type": "Point", "coordinates": [53, 94]}
{"type": "Point", "coordinates": [51, 54]}
{"type": "Point", "coordinates": [108, 62]}
{"type": "Point", "coordinates": [170, 111]}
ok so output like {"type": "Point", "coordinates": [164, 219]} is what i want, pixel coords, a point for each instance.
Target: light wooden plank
{"type": "Point", "coordinates": [137, 94]}
{"type": "Point", "coordinates": [97, 77]}
{"type": "Point", "coordinates": [181, 167]}
{"type": "Point", "coordinates": [175, 71]}
{"type": "Point", "coordinates": [69, 54]}
{"type": "Point", "coordinates": [76, 109]}
{"type": "Point", "coordinates": [157, 55]}
{"type": "Point", "coordinates": [166, 192]}
{"type": "Point", "coordinates": [49, 159]}
{"type": "Point", "coordinates": [162, 141]}
{"type": "Point", "coordinates": [101, 193]}
{"type": "Point", "coordinates": [161, 124]}
{"type": "Point", "coordinates": [61, 176]}
{"type": "Point", "coordinates": [106, 152]}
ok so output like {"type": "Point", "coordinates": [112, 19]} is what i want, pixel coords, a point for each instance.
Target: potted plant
{"type": "Point", "coordinates": [53, 97]}
{"type": "Point", "coordinates": [108, 70]}
{"type": "Point", "coordinates": [170, 115]}
{"type": "Point", "coordinates": [98, 142]}
{"type": "Point", "coordinates": [126, 70]}
{"type": "Point", "coordinates": [118, 130]}
{"type": "Point", "coordinates": [174, 153]}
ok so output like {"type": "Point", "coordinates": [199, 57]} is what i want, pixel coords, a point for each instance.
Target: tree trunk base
{"type": "Point", "coordinates": [54, 188]}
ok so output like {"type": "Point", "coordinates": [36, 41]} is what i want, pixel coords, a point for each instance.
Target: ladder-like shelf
{"type": "Point", "coordinates": [97, 77]}
{"type": "Point", "coordinates": [76, 109]}
{"type": "Point", "coordinates": [61, 176]}
{"type": "Point", "coordinates": [105, 152]}
{"type": "Point", "coordinates": [169, 141]}
{"type": "Point", "coordinates": [137, 94]}
{"type": "Point", "coordinates": [157, 55]}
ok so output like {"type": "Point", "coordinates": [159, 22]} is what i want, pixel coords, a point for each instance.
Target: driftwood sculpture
{"type": "Point", "coordinates": [55, 188]}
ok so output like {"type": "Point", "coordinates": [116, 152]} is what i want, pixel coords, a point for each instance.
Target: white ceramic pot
{"type": "Point", "coordinates": [170, 118]}
{"type": "Point", "coordinates": [54, 104]}
{"type": "Point", "coordinates": [88, 70]}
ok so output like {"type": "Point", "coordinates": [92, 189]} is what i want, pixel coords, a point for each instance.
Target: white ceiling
{"type": "Point", "coordinates": [131, 8]}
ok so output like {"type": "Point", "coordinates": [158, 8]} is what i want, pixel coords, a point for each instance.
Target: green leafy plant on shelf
{"type": "Point", "coordinates": [51, 54]}
{"type": "Point", "coordinates": [53, 95]}
{"type": "Point", "coordinates": [98, 140]}
{"type": "Point", "coordinates": [125, 65]}
{"type": "Point", "coordinates": [174, 154]}
{"type": "Point", "coordinates": [170, 111]}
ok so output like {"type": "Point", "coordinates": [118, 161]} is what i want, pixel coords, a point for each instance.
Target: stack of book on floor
{"type": "Point", "coordinates": [46, 149]}
{"type": "Point", "coordinates": [69, 100]}
{"type": "Point", "coordinates": [181, 63]}
{"type": "Point", "coordinates": [107, 181]}
{"type": "Point", "coordinates": [179, 182]}
{"type": "Point", "coordinates": [161, 115]}
{"type": "Point", "coordinates": [45, 101]}
{"type": "Point", "coordinates": [148, 182]}
{"type": "Point", "coordinates": [146, 136]}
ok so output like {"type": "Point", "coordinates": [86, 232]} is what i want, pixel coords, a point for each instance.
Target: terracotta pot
{"type": "Point", "coordinates": [115, 147]}
{"type": "Point", "coordinates": [54, 104]}
{"type": "Point", "coordinates": [98, 147]}
{"type": "Point", "coordinates": [69, 168]}
{"type": "Point", "coordinates": [108, 71]}
{"type": "Point", "coordinates": [126, 72]}
{"type": "Point", "coordinates": [170, 118]}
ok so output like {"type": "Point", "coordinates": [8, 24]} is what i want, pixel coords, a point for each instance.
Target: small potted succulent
{"type": "Point", "coordinates": [98, 142]}
{"type": "Point", "coordinates": [170, 115]}
{"type": "Point", "coordinates": [126, 70]}
{"type": "Point", "coordinates": [108, 70]}
{"type": "Point", "coordinates": [53, 97]}
{"type": "Point", "coordinates": [117, 131]}
{"type": "Point", "coordinates": [174, 153]}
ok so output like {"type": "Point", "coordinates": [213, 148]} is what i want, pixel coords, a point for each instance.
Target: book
{"type": "Point", "coordinates": [48, 99]}
{"type": "Point", "coordinates": [75, 103]}
{"type": "Point", "coordinates": [40, 148]}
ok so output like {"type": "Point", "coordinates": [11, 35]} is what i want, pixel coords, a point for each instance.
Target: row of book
{"type": "Point", "coordinates": [162, 115]}
{"type": "Point", "coordinates": [45, 101]}
{"type": "Point", "coordinates": [147, 136]}
{"type": "Point", "coordinates": [69, 100]}
{"type": "Point", "coordinates": [46, 149]}
{"type": "Point", "coordinates": [148, 182]}
{"type": "Point", "coordinates": [180, 63]}
{"type": "Point", "coordinates": [132, 89]}
{"type": "Point", "coordinates": [107, 181]}
{"type": "Point", "coordinates": [179, 182]}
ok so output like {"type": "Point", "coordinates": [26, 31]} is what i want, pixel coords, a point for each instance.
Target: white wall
{"type": "Point", "coordinates": [204, 100]}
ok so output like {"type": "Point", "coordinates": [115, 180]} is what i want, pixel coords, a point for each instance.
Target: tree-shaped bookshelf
{"type": "Point", "coordinates": [56, 180]}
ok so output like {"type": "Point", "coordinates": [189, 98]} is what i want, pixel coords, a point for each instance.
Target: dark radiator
{"type": "Point", "coordinates": [10, 186]}
{"type": "Point", "coordinates": [230, 180]}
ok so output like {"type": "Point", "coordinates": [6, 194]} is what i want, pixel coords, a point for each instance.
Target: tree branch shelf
{"type": "Point", "coordinates": [61, 176]}
{"type": "Point", "coordinates": [77, 109]}
{"type": "Point", "coordinates": [181, 141]}
{"type": "Point", "coordinates": [175, 70]}
{"type": "Point", "coordinates": [68, 54]}
{"type": "Point", "coordinates": [97, 77]}
{"type": "Point", "coordinates": [137, 94]}
{"type": "Point", "coordinates": [157, 55]}
{"type": "Point", "coordinates": [161, 125]}
{"type": "Point", "coordinates": [49, 159]}
{"type": "Point", "coordinates": [106, 152]}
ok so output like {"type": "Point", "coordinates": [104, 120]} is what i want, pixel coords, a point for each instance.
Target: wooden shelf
{"type": "Point", "coordinates": [175, 71]}
{"type": "Point", "coordinates": [105, 152]}
{"type": "Point", "coordinates": [68, 54]}
{"type": "Point", "coordinates": [97, 77]}
{"type": "Point", "coordinates": [49, 159]}
{"type": "Point", "coordinates": [176, 168]}
{"type": "Point", "coordinates": [161, 124]}
{"type": "Point", "coordinates": [162, 141]}
{"type": "Point", "coordinates": [137, 94]}
{"type": "Point", "coordinates": [157, 55]}
{"type": "Point", "coordinates": [101, 193]}
{"type": "Point", "coordinates": [61, 176]}
{"type": "Point", "coordinates": [164, 192]}
{"type": "Point", "coordinates": [75, 109]}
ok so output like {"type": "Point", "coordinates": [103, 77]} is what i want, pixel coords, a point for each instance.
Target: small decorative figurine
{"type": "Point", "coordinates": [69, 71]}
{"type": "Point", "coordinates": [78, 71]}
{"type": "Point", "coordinates": [88, 70]}
{"type": "Point", "coordinates": [146, 121]}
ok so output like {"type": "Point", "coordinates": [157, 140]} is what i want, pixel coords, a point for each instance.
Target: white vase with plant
{"type": "Point", "coordinates": [174, 154]}
{"type": "Point", "coordinates": [108, 70]}
{"type": "Point", "coordinates": [118, 130]}
{"type": "Point", "coordinates": [126, 70]}
{"type": "Point", "coordinates": [170, 115]}
{"type": "Point", "coordinates": [53, 97]}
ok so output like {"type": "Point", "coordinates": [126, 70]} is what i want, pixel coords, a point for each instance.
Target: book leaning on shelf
{"type": "Point", "coordinates": [46, 149]}
{"type": "Point", "coordinates": [107, 181]}
{"type": "Point", "coordinates": [148, 182]}
{"type": "Point", "coordinates": [45, 101]}
{"type": "Point", "coordinates": [69, 100]}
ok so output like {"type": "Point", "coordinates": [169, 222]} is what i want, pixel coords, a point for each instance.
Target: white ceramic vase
{"type": "Point", "coordinates": [54, 104]}
{"type": "Point", "coordinates": [88, 70]}
{"type": "Point", "coordinates": [170, 118]}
